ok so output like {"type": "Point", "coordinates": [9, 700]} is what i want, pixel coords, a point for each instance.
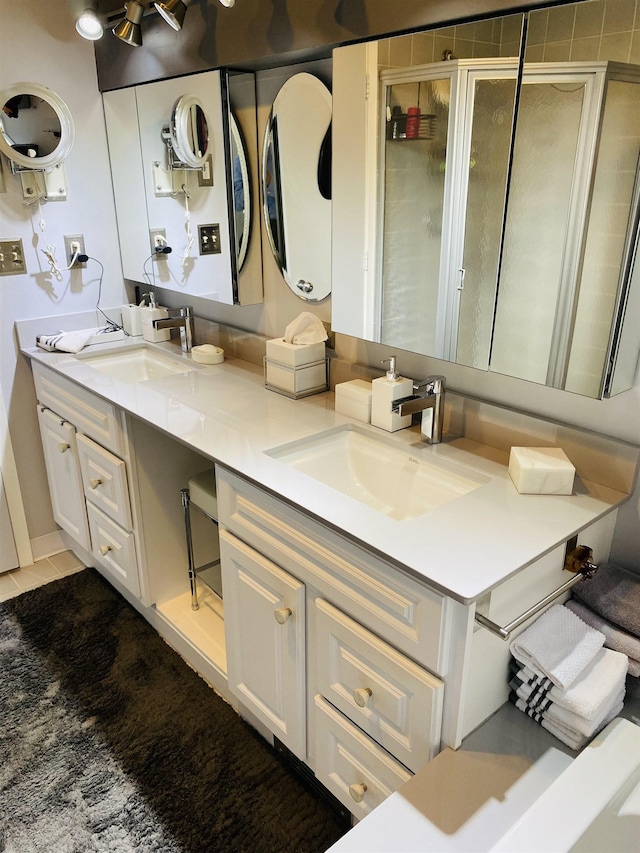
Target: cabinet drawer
{"type": "Point", "coordinates": [388, 696]}
{"type": "Point", "coordinates": [374, 592]}
{"type": "Point", "coordinates": [354, 768]}
{"type": "Point", "coordinates": [104, 478]}
{"type": "Point", "coordinates": [114, 548]}
{"type": "Point", "coordinates": [91, 415]}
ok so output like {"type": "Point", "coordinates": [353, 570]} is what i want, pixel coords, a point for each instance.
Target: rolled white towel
{"type": "Point", "coordinates": [558, 645]}
{"type": "Point", "coordinates": [589, 694]}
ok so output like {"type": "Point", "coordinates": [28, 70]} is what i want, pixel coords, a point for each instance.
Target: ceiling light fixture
{"type": "Point", "coordinates": [228, 3]}
{"type": "Point", "coordinates": [88, 23]}
{"type": "Point", "coordinates": [173, 11]}
{"type": "Point", "coordinates": [128, 30]}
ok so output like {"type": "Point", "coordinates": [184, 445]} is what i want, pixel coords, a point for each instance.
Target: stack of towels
{"type": "Point", "coordinates": [610, 603]}
{"type": "Point", "coordinates": [564, 678]}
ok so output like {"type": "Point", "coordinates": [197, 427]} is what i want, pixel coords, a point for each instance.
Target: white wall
{"type": "Point", "coordinates": [38, 43]}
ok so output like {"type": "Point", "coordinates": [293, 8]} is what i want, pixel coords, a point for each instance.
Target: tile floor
{"type": "Point", "coordinates": [40, 573]}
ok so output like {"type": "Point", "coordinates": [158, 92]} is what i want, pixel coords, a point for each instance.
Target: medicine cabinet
{"type": "Point", "coordinates": [498, 202]}
{"type": "Point", "coordinates": [170, 148]}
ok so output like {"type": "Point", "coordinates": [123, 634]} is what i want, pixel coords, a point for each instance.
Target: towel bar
{"type": "Point", "coordinates": [578, 561]}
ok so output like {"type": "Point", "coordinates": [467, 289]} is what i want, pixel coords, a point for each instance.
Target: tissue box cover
{"type": "Point", "coordinates": [541, 471]}
{"type": "Point", "coordinates": [354, 399]}
{"type": "Point", "coordinates": [294, 355]}
{"type": "Point", "coordinates": [296, 381]}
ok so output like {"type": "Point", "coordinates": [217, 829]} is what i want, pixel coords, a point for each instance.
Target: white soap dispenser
{"type": "Point", "coordinates": [148, 315]}
{"type": "Point", "coordinates": [384, 391]}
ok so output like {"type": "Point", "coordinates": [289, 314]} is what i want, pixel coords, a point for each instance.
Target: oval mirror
{"type": "Point", "coordinates": [36, 127]}
{"type": "Point", "coordinates": [189, 131]}
{"type": "Point", "coordinates": [241, 192]}
{"type": "Point", "coordinates": [296, 166]}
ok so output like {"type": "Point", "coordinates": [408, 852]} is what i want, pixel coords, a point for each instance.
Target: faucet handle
{"type": "Point", "coordinates": [432, 384]}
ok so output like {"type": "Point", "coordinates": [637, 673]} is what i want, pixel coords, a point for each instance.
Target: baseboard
{"type": "Point", "coordinates": [45, 546]}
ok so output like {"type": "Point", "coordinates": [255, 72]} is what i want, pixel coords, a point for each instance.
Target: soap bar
{"type": "Point", "coordinates": [294, 355]}
{"type": "Point", "coordinates": [354, 399]}
{"type": "Point", "coordinates": [541, 471]}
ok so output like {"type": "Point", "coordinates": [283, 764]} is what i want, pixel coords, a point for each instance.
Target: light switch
{"type": "Point", "coordinates": [12, 257]}
{"type": "Point", "coordinates": [209, 239]}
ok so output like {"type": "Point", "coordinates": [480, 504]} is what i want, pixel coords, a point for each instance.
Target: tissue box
{"type": "Point", "coordinates": [296, 381]}
{"type": "Point", "coordinates": [294, 355]}
{"type": "Point", "coordinates": [354, 399]}
{"type": "Point", "coordinates": [541, 471]}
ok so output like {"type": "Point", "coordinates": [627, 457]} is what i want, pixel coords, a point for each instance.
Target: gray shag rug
{"type": "Point", "coordinates": [110, 743]}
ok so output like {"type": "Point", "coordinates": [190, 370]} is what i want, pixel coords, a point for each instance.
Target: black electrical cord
{"type": "Point", "coordinates": [111, 323]}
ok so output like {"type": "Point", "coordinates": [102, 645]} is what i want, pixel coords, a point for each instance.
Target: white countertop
{"type": "Point", "coordinates": [463, 548]}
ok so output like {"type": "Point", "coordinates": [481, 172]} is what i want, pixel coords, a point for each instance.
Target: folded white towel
{"type": "Point", "coordinates": [558, 645]}
{"type": "Point", "coordinates": [572, 738]}
{"type": "Point", "coordinates": [66, 341]}
{"type": "Point", "coordinates": [589, 694]}
{"type": "Point", "coordinates": [569, 719]}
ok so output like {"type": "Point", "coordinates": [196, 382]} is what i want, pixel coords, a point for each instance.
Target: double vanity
{"type": "Point", "coordinates": [354, 562]}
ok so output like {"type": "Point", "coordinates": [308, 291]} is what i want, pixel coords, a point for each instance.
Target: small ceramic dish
{"type": "Point", "coordinates": [207, 354]}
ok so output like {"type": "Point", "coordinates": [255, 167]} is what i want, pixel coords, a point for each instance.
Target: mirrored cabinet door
{"type": "Point", "coordinates": [173, 188]}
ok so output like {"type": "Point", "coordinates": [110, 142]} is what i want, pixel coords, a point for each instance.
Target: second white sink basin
{"type": "Point", "coordinates": [138, 365]}
{"type": "Point", "coordinates": [401, 483]}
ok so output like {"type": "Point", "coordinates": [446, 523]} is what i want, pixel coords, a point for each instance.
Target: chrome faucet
{"type": "Point", "coordinates": [428, 399]}
{"type": "Point", "coordinates": [183, 321]}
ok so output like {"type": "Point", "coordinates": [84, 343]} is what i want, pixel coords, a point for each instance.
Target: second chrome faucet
{"type": "Point", "coordinates": [429, 399]}
{"type": "Point", "coordinates": [180, 318]}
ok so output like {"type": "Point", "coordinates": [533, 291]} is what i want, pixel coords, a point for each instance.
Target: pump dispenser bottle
{"type": "Point", "coordinates": [384, 391]}
{"type": "Point", "coordinates": [148, 315]}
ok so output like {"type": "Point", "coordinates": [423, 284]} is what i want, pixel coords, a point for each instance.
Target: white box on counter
{"type": "Point", "coordinates": [541, 471]}
{"type": "Point", "coordinates": [353, 398]}
{"type": "Point", "coordinates": [296, 381]}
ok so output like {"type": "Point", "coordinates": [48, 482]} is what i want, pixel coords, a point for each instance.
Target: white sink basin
{"type": "Point", "coordinates": [401, 483]}
{"type": "Point", "coordinates": [138, 365]}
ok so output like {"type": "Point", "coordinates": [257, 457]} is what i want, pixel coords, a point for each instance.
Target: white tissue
{"type": "Point", "coordinates": [305, 329]}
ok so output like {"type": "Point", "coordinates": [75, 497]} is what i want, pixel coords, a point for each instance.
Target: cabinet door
{"type": "Point", "coordinates": [63, 473]}
{"type": "Point", "coordinates": [264, 621]}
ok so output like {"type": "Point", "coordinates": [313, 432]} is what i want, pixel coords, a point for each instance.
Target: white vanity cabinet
{"type": "Point", "coordinates": [84, 445]}
{"type": "Point", "coordinates": [327, 646]}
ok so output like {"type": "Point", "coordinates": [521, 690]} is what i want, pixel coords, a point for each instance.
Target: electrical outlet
{"type": "Point", "coordinates": [209, 239]}
{"type": "Point", "coordinates": [205, 175]}
{"type": "Point", "coordinates": [157, 238]}
{"type": "Point", "coordinates": [71, 243]}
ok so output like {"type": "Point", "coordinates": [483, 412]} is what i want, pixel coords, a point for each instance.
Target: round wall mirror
{"type": "Point", "coordinates": [296, 185]}
{"type": "Point", "coordinates": [190, 132]}
{"type": "Point", "coordinates": [241, 192]}
{"type": "Point", "coordinates": [36, 127]}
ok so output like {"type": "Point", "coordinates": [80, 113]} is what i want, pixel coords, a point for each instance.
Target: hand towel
{"type": "Point", "coordinates": [558, 645]}
{"type": "Point", "coordinates": [615, 638]}
{"type": "Point", "coordinates": [589, 693]}
{"type": "Point", "coordinates": [615, 594]}
{"type": "Point", "coordinates": [66, 341]}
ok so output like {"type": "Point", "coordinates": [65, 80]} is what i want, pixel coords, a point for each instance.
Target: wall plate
{"type": "Point", "coordinates": [209, 239]}
{"type": "Point", "coordinates": [12, 257]}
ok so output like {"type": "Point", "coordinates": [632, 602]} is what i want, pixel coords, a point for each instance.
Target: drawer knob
{"type": "Point", "coordinates": [361, 696]}
{"type": "Point", "coordinates": [358, 791]}
{"type": "Point", "coordinates": [282, 614]}
{"type": "Point", "coordinates": [94, 483]}
{"type": "Point", "coordinates": [63, 446]}
{"type": "Point", "coordinates": [104, 550]}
